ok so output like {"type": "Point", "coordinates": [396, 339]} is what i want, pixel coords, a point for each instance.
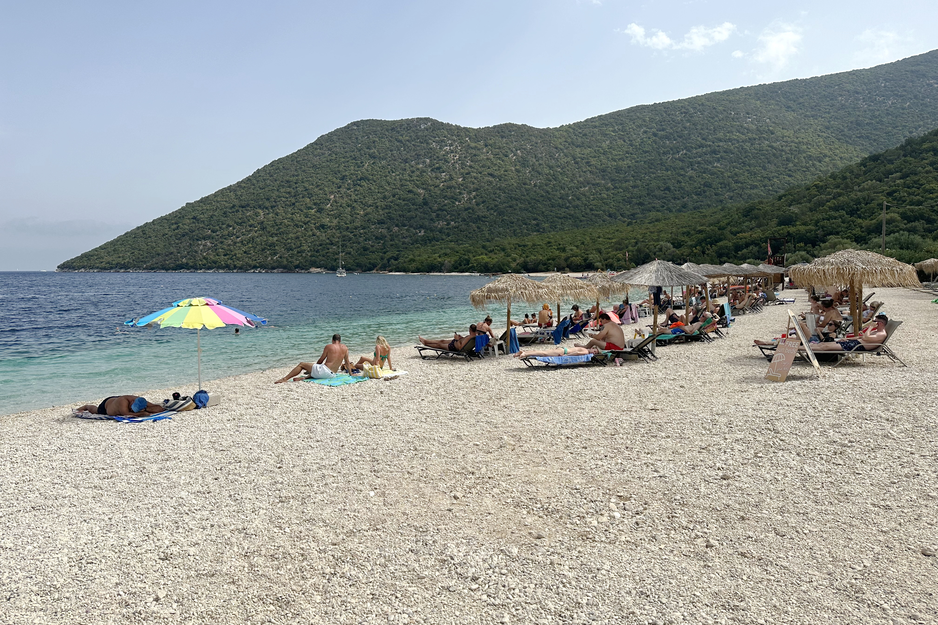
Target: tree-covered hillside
{"type": "Point", "coordinates": [843, 209]}
{"type": "Point", "coordinates": [387, 189]}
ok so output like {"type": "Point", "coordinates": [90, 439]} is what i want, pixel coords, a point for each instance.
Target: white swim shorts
{"type": "Point", "coordinates": [321, 372]}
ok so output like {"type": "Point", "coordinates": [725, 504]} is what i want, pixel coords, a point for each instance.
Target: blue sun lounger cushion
{"type": "Point", "coordinates": [564, 360]}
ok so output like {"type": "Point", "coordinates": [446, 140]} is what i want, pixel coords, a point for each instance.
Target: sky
{"type": "Point", "coordinates": [115, 113]}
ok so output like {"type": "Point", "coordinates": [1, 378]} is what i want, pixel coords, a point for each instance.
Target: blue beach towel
{"type": "Point", "coordinates": [513, 346]}
{"type": "Point", "coordinates": [340, 379]}
{"type": "Point", "coordinates": [166, 414]}
{"type": "Point", "coordinates": [481, 341]}
{"type": "Point", "coordinates": [564, 360]}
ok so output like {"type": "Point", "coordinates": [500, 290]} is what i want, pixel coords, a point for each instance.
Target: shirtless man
{"type": "Point", "coordinates": [545, 318]}
{"type": "Point", "coordinates": [873, 337]}
{"type": "Point", "coordinates": [334, 356]}
{"type": "Point", "coordinates": [123, 406]}
{"type": "Point", "coordinates": [611, 337]}
{"type": "Point", "coordinates": [456, 344]}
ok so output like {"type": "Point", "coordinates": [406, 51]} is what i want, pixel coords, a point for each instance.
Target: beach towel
{"type": "Point", "coordinates": [377, 373]}
{"type": "Point", "coordinates": [564, 360]}
{"type": "Point", "coordinates": [340, 379]}
{"type": "Point", "coordinates": [513, 346]}
{"type": "Point", "coordinates": [84, 414]}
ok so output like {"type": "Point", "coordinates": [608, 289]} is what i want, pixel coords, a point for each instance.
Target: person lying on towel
{"type": "Point", "coordinates": [611, 337]}
{"type": "Point", "coordinates": [455, 345]}
{"type": "Point", "coordinates": [123, 406]}
{"type": "Point", "coordinates": [334, 356]}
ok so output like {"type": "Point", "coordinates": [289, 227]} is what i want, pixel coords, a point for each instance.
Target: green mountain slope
{"type": "Point", "coordinates": [843, 209]}
{"type": "Point", "coordinates": [386, 188]}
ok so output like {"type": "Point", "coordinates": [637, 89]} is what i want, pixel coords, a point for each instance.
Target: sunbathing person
{"type": "Point", "coordinates": [871, 338]}
{"type": "Point", "coordinates": [334, 356]}
{"type": "Point", "coordinates": [611, 337]}
{"type": "Point", "coordinates": [123, 406]}
{"type": "Point", "coordinates": [380, 358]}
{"type": "Point", "coordinates": [545, 318]}
{"type": "Point", "coordinates": [559, 351]}
{"type": "Point", "coordinates": [455, 345]}
{"type": "Point", "coordinates": [486, 328]}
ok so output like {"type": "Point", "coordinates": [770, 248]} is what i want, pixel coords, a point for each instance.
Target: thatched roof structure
{"type": "Point", "coordinates": [771, 270]}
{"type": "Point", "coordinates": [712, 271]}
{"type": "Point", "coordinates": [568, 287]}
{"type": "Point", "coordinates": [856, 268]}
{"type": "Point", "coordinates": [928, 266]}
{"type": "Point", "coordinates": [736, 270]}
{"type": "Point", "coordinates": [606, 286]}
{"type": "Point", "coordinates": [660, 273]}
{"type": "Point", "coordinates": [512, 287]}
{"type": "Point", "coordinates": [754, 271]}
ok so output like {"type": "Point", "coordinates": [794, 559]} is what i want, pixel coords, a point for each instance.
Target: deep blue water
{"type": "Point", "coordinates": [62, 338]}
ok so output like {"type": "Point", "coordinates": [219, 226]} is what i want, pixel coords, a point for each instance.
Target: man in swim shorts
{"type": "Point", "coordinates": [870, 339]}
{"type": "Point", "coordinates": [610, 338]}
{"type": "Point", "coordinates": [334, 356]}
{"type": "Point", "coordinates": [123, 406]}
{"type": "Point", "coordinates": [454, 345]}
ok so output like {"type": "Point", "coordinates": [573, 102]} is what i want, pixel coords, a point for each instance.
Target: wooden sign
{"type": "Point", "coordinates": [787, 351]}
{"type": "Point", "coordinates": [804, 341]}
{"type": "Point", "coordinates": [781, 361]}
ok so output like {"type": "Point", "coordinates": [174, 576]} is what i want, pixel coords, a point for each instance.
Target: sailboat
{"type": "Point", "coordinates": [340, 272]}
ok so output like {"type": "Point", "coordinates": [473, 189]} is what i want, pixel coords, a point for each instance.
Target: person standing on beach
{"type": "Point", "coordinates": [334, 356]}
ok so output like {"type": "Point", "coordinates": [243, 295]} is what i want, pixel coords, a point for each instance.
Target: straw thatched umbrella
{"type": "Point", "coordinates": [856, 268]}
{"type": "Point", "coordinates": [697, 269]}
{"type": "Point", "coordinates": [570, 288]}
{"type": "Point", "coordinates": [512, 288]}
{"type": "Point", "coordinates": [659, 273]}
{"type": "Point", "coordinates": [606, 287]}
{"type": "Point", "coordinates": [929, 266]}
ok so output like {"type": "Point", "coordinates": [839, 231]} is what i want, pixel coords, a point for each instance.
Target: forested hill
{"type": "Point", "coordinates": [837, 211]}
{"type": "Point", "coordinates": [383, 189]}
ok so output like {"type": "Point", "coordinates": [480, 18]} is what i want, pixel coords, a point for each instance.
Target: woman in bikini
{"type": "Point", "coordinates": [380, 358]}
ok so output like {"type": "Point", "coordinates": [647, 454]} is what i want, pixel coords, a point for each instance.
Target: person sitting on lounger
{"type": "Point", "coordinates": [559, 351]}
{"type": "Point", "coordinates": [486, 327]}
{"type": "Point", "coordinates": [455, 345]}
{"type": "Point", "coordinates": [123, 406]}
{"type": "Point", "coordinates": [611, 337]}
{"type": "Point", "coordinates": [380, 358]}
{"type": "Point", "coordinates": [871, 338]}
{"type": "Point", "coordinates": [334, 356]}
{"type": "Point", "coordinates": [545, 318]}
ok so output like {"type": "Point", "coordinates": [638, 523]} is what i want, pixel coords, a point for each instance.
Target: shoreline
{"type": "Point", "coordinates": [686, 490]}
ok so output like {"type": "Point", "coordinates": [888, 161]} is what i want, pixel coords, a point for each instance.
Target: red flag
{"type": "Point", "coordinates": [769, 245]}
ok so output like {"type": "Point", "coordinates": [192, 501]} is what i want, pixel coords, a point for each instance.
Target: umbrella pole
{"type": "Point", "coordinates": [198, 339]}
{"type": "Point", "coordinates": [654, 323]}
{"type": "Point", "coordinates": [508, 330]}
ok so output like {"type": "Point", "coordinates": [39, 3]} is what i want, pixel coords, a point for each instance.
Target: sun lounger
{"type": "Point", "coordinates": [469, 352]}
{"type": "Point", "coordinates": [555, 362]}
{"type": "Point", "coordinates": [837, 358]}
{"type": "Point", "coordinates": [641, 350]}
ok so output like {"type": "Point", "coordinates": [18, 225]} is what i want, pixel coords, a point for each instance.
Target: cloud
{"type": "Point", "coordinates": [880, 46]}
{"type": "Point", "coordinates": [696, 39]}
{"type": "Point", "coordinates": [777, 45]}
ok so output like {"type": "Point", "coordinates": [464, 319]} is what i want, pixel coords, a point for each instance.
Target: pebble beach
{"type": "Point", "coordinates": [687, 490]}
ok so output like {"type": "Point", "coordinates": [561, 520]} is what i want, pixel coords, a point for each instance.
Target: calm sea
{"type": "Point", "coordinates": [62, 338]}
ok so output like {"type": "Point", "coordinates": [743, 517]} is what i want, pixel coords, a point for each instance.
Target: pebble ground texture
{"type": "Point", "coordinates": [690, 490]}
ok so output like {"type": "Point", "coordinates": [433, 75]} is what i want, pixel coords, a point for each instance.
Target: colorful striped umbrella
{"type": "Point", "coordinates": [198, 312]}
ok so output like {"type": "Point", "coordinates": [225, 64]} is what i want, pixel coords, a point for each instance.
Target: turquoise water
{"type": "Point", "coordinates": [63, 342]}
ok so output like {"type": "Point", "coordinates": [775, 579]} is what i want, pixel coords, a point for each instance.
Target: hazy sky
{"type": "Point", "coordinates": [115, 113]}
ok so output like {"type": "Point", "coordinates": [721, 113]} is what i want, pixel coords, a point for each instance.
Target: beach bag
{"type": "Point", "coordinates": [179, 405]}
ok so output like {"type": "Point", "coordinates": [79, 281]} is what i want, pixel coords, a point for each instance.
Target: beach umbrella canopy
{"type": "Point", "coordinates": [929, 266]}
{"type": "Point", "coordinates": [512, 287]}
{"type": "Point", "coordinates": [605, 286]}
{"type": "Point", "coordinates": [736, 270]}
{"type": "Point", "coordinates": [856, 269]}
{"type": "Point", "coordinates": [659, 273]}
{"type": "Point", "coordinates": [771, 270]}
{"type": "Point", "coordinates": [198, 313]}
{"type": "Point", "coordinates": [570, 288]}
